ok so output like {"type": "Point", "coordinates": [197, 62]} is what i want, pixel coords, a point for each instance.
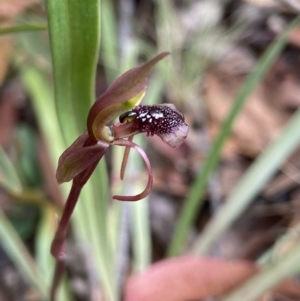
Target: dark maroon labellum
{"type": "Point", "coordinates": [157, 119]}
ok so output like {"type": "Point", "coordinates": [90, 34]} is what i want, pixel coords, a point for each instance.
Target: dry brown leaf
{"type": "Point", "coordinates": [287, 6]}
{"type": "Point", "coordinates": [263, 3]}
{"type": "Point", "coordinates": [187, 278]}
{"type": "Point", "coordinates": [169, 180]}
{"type": "Point", "coordinates": [10, 96]}
{"type": "Point", "coordinates": [12, 8]}
{"type": "Point", "coordinates": [257, 124]}
{"type": "Point", "coordinates": [5, 53]}
{"type": "Point", "coordinates": [282, 82]}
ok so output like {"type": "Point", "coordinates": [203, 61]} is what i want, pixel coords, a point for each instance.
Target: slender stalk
{"type": "Point", "coordinates": [57, 276]}
{"type": "Point", "coordinates": [129, 143]}
{"type": "Point", "coordinates": [58, 245]}
{"type": "Point", "coordinates": [125, 159]}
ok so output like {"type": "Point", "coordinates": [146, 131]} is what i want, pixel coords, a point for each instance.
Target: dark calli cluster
{"type": "Point", "coordinates": [164, 121]}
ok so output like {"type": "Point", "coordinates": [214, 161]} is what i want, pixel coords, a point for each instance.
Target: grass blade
{"type": "Point", "coordinates": [109, 43]}
{"type": "Point", "coordinates": [252, 182]}
{"type": "Point", "coordinates": [141, 233]}
{"type": "Point", "coordinates": [8, 176]}
{"type": "Point", "coordinates": [22, 28]}
{"type": "Point", "coordinates": [284, 267]}
{"type": "Point", "coordinates": [18, 253]}
{"type": "Point", "coordinates": [139, 213]}
{"type": "Point", "coordinates": [44, 107]}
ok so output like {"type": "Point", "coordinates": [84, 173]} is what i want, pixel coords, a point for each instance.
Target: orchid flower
{"type": "Point", "coordinates": [77, 163]}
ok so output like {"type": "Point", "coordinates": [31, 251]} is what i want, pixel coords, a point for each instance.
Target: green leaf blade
{"type": "Point", "coordinates": [74, 62]}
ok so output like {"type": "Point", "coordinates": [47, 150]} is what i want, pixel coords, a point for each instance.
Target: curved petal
{"type": "Point", "coordinates": [128, 143]}
{"type": "Point", "coordinates": [125, 159]}
{"type": "Point", "coordinates": [122, 95]}
{"type": "Point", "coordinates": [77, 158]}
{"type": "Point", "coordinates": [188, 278]}
{"type": "Point", "coordinates": [79, 142]}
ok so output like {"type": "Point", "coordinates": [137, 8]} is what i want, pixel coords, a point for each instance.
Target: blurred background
{"type": "Point", "coordinates": [214, 46]}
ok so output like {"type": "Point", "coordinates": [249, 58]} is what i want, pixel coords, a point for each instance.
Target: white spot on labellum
{"type": "Point", "coordinates": [157, 115]}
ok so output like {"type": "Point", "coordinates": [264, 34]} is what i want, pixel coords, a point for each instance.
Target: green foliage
{"type": "Point", "coordinates": [22, 28]}
{"type": "Point", "coordinates": [8, 175]}
{"type": "Point", "coordinates": [74, 35]}
{"type": "Point", "coordinates": [74, 28]}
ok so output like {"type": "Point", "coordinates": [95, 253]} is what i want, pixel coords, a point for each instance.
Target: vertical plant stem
{"type": "Point", "coordinates": [58, 244]}
{"type": "Point", "coordinates": [57, 276]}
{"type": "Point", "coordinates": [57, 247]}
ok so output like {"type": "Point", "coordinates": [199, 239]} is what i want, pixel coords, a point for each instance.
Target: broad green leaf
{"type": "Point", "coordinates": [74, 37]}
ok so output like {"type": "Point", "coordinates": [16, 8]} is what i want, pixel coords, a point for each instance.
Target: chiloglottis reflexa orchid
{"type": "Point", "coordinates": [77, 163]}
{"type": "Point", "coordinates": [122, 99]}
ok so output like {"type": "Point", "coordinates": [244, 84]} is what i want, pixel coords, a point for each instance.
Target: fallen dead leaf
{"type": "Point", "coordinates": [9, 98]}
{"type": "Point", "coordinates": [12, 8]}
{"type": "Point", "coordinates": [187, 278]}
{"type": "Point", "coordinates": [257, 124]}
{"type": "Point", "coordinates": [5, 53]}
{"type": "Point", "coordinates": [282, 82]}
